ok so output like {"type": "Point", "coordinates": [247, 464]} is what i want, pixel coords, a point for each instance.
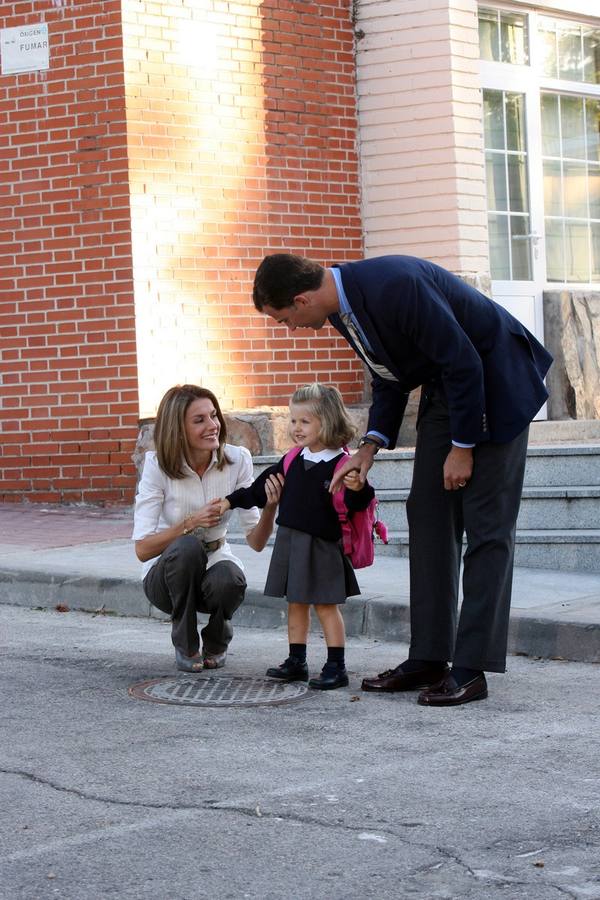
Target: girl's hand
{"type": "Point", "coordinates": [352, 481]}
{"type": "Point", "coordinates": [273, 488]}
{"type": "Point", "coordinates": [225, 507]}
{"type": "Point", "coordinates": [206, 517]}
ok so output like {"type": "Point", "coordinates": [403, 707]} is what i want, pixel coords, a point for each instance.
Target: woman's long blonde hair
{"type": "Point", "coordinates": [170, 438]}
{"type": "Point", "coordinates": [326, 403]}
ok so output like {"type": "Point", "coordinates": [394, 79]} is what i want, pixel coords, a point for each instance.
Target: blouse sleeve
{"type": "Point", "coordinates": [149, 499]}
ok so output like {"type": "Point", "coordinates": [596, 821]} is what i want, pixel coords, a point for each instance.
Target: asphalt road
{"type": "Point", "coordinates": [338, 795]}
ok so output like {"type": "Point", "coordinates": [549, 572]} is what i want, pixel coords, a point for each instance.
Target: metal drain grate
{"type": "Point", "coordinates": [218, 690]}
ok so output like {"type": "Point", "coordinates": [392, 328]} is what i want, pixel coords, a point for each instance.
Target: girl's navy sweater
{"type": "Point", "coordinates": [305, 502]}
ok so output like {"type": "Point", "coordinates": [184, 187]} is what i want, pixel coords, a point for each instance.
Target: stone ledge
{"type": "Point", "coordinates": [264, 429]}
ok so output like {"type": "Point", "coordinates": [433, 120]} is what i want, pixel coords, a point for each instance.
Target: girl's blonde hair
{"type": "Point", "coordinates": [170, 439]}
{"type": "Point", "coordinates": [326, 403]}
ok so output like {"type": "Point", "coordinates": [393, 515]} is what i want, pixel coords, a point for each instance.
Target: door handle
{"type": "Point", "coordinates": [533, 237]}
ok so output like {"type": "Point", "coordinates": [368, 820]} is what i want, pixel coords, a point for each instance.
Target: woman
{"type": "Point", "coordinates": [179, 533]}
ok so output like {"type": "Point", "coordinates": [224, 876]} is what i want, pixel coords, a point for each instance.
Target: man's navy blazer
{"type": "Point", "coordinates": [425, 324]}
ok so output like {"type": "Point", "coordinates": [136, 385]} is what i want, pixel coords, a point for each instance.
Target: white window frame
{"type": "Point", "coordinates": [529, 81]}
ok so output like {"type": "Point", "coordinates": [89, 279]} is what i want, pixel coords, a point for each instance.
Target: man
{"type": "Point", "coordinates": [481, 372]}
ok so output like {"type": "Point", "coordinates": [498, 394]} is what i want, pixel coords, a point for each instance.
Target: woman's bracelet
{"type": "Point", "coordinates": [187, 530]}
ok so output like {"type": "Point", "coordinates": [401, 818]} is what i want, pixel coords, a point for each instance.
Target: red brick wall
{"type": "Point", "coordinates": [242, 141]}
{"type": "Point", "coordinates": [68, 361]}
{"type": "Point", "coordinates": [143, 177]}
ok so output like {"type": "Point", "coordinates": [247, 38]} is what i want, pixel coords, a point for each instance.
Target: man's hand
{"type": "Point", "coordinates": [458, 468]}
{"type": "Point", "coordinates": [360, 462]}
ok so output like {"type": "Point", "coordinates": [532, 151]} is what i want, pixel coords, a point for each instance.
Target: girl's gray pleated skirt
{"type": "Point", "coordinates": [307, 569]}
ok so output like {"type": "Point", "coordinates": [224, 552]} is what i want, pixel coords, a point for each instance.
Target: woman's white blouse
{"type": "Point", "coordinates": [162, 502]}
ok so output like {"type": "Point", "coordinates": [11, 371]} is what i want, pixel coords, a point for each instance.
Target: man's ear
{"type": "Point", "coordinates": [302, 300]}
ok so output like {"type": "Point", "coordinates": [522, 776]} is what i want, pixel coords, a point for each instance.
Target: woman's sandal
{"type": "Point", "coordinates": [188, 663]}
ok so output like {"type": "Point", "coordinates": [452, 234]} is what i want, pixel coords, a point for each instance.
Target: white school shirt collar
{"type": "Point", "coordinates": [320, 455]}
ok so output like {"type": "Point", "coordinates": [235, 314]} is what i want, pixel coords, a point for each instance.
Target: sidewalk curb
{"type": "Point", "coordinates": [375, 617]}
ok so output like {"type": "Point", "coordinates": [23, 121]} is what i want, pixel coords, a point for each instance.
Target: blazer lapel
{"type": "Point", "coordinates": [355, 299]}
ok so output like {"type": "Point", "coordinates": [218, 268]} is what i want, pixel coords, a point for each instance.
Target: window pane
{"type": "Point", "coordinates": [578, 257]}
{"type": "Point", "coordinates": [592, 116]}
{"type": "Point", "coordinates": [493, 120]}
{"type": "Point", "coordinates": [495, 179]}
{"type": "Point", "coordinates": [594, 191]}
{"type": "Point", "coordinates": [513, 39]}
{"type": "Point", "coordinates": [489, 37]}
{"type": "Point", "coordinates": [595, 251]}
{"type": "Point", "coordinates": [517, 183]}
{"type": "Point", "coordinates": [572, 127]}
{"type": "Point", "coordinates": [499, 255]}
{"type": "Point", "coordinates": [520, 248]}
{"type": "Point", "coordinates": [591, 55]}
{"type": "Point", "coordinates": [575, 187]}
{"type": "Point", "coordinates": [549, 50]}
{"type": "Point", "coordinates": [550, 126]}
{"type": "Point", "coordinates": [555, 251]}
{"type": "Point", "coordinates": [552, 197]}
{"type": "Point", "coordinates": [570, 52]}
{"type": "Point", "coordinates": [515, 121]}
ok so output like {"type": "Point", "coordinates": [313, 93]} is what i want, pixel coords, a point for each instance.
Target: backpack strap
{"type": "Point", "coordinates": [338, 498]}
{"type": "Point", "coordinates": [289, 458]}
{"type": "Point", "coordinates": [340, 507]}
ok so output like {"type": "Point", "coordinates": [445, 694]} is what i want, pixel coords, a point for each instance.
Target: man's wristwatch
{"type": "Point", "coordinates": [370, 439]}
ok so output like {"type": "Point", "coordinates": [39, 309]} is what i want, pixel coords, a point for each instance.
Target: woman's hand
{"type": "Point", "coordinates": [258, 537]}
{"type": "Point", "coordinates": [154, 544]}
{"type": "Point", "coordinates": [352, 481]}
{"type": "Point", "coordinates": [206, 517]}
{"type": "Point", "coordinates": [273, 488]}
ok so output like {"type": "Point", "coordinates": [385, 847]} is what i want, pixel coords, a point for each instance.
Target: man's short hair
{"type": "Point", "coordinates": [281, 277]}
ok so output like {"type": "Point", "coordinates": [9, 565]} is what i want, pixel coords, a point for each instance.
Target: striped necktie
{"type": "Point", "coordinates": [364, 351]}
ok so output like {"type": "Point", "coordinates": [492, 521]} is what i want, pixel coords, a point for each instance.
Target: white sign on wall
{"type": "Point", "coordinates": [24, 49]}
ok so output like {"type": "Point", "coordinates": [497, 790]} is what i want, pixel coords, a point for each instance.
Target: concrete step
{"type": "Point", "coordinates": [565, 550]}
{"type": "Point", "coordinates": [552, 465]}
{"type": "Point", "coordinates": [572, 551]}
{"type": "Point", "coordinates": [560, 510]}
{"type": "Point", "coordinates": [555, 507]}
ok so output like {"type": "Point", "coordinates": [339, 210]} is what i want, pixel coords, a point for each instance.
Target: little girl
{"type": "Point", "coordinates": [308, 565]}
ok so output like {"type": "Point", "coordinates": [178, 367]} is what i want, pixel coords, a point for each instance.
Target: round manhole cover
{"type": "Point", "coordinates": [218, 690]}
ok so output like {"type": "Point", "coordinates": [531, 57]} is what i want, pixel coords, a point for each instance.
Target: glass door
{"type": "Point", "coordinates": [513, 175]}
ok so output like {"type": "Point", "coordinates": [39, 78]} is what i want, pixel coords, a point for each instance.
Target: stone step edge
{"type": "Point", "coordinates": [560, 492]}
{"type": "Point", "coordinates": [408, 453]}
{"type": "Point", "coordinates": [524, 536]}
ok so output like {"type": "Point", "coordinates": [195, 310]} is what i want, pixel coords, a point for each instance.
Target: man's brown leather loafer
{"type": "Point", "coordinates": [448, 693]}
{"type": "Point", "coordinates": [396, 680]}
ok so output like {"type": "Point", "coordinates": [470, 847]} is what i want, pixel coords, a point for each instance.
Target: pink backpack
{"type": "Point", "coordinates": [359, 527]}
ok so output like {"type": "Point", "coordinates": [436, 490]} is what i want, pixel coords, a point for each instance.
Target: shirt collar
{"type": "Point", "coordinates": [345, 308]}
{"type": "Point", "coordinates": [188, 469]}
{"type": "Point", "coordinates": [321, 455]}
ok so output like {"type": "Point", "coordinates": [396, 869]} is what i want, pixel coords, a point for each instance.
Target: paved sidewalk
{"type": "Point", "coordinates": [82, 557]}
